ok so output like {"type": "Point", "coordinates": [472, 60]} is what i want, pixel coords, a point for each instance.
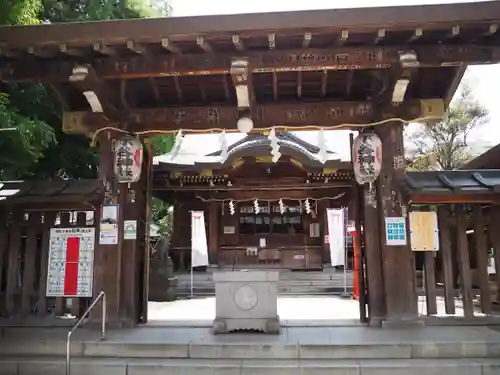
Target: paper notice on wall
{"type": "Point", "coordinates": [199, 246]}
{"type": "Point", "coordinates": [262, 243]}
{"type": "Point", "coordinates": [130, 229]}
{"type": "Point", "coordinates": [395, 231]}
{"type": "Point", "coordinates": [70, 270]}
{"type": "Point", "coordinates": [336, 236]}
{"type": "Point", "coordinates": [108, 226]}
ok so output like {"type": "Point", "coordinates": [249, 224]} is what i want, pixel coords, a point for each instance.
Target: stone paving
{"type": "Point", "coordinates": [296, 311]}
{"type": "Point", "coordinates": [290, 309]}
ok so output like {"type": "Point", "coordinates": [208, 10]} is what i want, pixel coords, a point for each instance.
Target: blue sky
{"type": "Point", "coordinates": [486, 78]}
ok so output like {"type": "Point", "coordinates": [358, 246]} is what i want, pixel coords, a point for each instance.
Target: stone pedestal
{"type": "Point", "coordinates": [246, 300]}
{"type": "Point", "coordinates": [162, 283]}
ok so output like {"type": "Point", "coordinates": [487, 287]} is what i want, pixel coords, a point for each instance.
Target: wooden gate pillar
{"type": "Point", "coordinates": [214, 232]}
{"type": "Point", "coordinates": [107, 258]}
{"type": "Point", "coordinates": [398, 261]}
{"type": "Point", "coordinates": [375, 278]}
{"type": "Point", "coordinates": [119, 268]}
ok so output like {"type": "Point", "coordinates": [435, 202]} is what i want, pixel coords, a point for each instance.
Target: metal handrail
{"type": "Point", "coordinates": [102, 296]}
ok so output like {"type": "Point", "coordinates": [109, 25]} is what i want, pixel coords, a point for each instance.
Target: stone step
{"type": "Point", "coordinates": [247, 350]}
{"type": "Point", "coordinates": [154, 366]}
{"type": "Point", "coordinates": [284, 276]}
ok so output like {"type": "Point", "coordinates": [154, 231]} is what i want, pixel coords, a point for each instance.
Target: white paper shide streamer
{"type": "Point", "coordinates": [223, 147]}
{"type": "Point", "coordinates": [275, 147]}
{"type": "Point", "coordinates": [323, 152]}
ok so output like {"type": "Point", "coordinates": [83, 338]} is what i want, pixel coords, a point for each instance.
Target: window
{"type": "Point", "coordinates": [247, 224]}
{"type": "Point", "coordinates": [262, 223]}
{"type": "Point", "coordinates": [271, 220]}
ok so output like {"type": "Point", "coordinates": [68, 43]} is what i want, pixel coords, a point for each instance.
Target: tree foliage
{"type": "Point", "coordinates": [39, 148]}
{"type": "Point", "coordinates": [444, 145]}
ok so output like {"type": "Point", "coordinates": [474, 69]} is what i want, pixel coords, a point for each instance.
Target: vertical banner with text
{"type": "Point", "coordinates": [336, 235]}
{"type": "Point", "coordinates": [199, 246]}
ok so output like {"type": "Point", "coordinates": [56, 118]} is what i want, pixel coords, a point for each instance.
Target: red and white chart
{"type": "Point", "coordinates": [71, 262]}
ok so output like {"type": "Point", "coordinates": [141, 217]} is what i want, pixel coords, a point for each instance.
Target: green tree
{"type": "Point", "coordinates": [162, 212]}
{"type": "Point", "coordinates": [20, 12]}
{"type": "Point", "coordinates": [444, 145]}
{"type": "Point", "coordinates": [39, 148]}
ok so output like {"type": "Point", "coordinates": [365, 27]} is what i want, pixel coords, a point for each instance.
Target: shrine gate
{"type": "Point", "coordinates": [366, 69]}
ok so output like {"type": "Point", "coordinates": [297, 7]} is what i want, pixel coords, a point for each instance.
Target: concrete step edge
{"type": "Point", "coordinates": [59, 362]}
{"type": "Point", "coordinates": [210, 350]}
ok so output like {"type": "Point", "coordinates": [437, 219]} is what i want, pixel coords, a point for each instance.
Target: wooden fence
{"type": "Point", "coordinates": [24, 254]}
{"type": "Point", "coordinates": [455, 280]}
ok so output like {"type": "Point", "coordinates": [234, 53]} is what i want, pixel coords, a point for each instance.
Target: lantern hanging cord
{"type": "Point", "coordinates": [268, 200]}
{"type": "Point", "coordinates": [264, 129]}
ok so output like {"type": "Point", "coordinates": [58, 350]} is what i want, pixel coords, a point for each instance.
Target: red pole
{"type": "Point", "coordinates": [356, 266]}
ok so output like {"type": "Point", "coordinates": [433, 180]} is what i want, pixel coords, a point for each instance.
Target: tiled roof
{"type": "Point", "coordinates": [447, 182]}
{"type": "Point", "coordinates": [58, 191]}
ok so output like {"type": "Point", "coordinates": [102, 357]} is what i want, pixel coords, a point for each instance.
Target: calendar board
{"type": "Point", "coordinates": [395, 231]}
{"type": "Point", "coordinates": [71, 262]}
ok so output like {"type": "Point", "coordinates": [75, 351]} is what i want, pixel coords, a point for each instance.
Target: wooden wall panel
{"type": "Point", "coordinates": [30, 255]}
{"type": "Point", "coordinates": [447, 259]}
{"type": "Point", "coordinates": [464, 262]}
{"type": "Point", "coordinates": [49, 219]}
{"type": "Point", "coordinates": [482, 258]}
{"type": "Point", "coordinates": [13, 263]}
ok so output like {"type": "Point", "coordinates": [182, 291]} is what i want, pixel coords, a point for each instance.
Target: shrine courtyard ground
{"type": "Point", "coordinates": [293, 311]}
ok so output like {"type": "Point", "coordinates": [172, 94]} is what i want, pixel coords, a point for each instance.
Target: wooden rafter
{"type": "Point", "coordinates": [342, 38]}
{"type": "Point", "coordinates": [259, 62]}
{"type": "Point", "coordinates": [227, 94]}
{"type": "Point", "coordinates": [95, 90]}
{"type": "Point", "coordinates": [104, 49]}
{"type": "Point", "coordinates": [299, 85]}
{"type": "Point", "coordinates": [61, 96]}
{"type": "Point", "coordinates": [238, 43]}
{"type": "Point", "coordinates": [380, 36]}
{"type": "Point", "coordinates": [178, 89]}
{"type": "Point", "coordinates": [324, 81]}
{"type": "Point", "coordinates": [348, 83]}
{"type": "Point", "coordinates": [307, 39]}
{"type": "Point", "coordinates": [136, 48]}
{"type": "Point", "coordinates": [204, 45]}
{"type": "Point", "coordinates": [169, 46]}
{"type": "Point", "coordinates": [154, 88]}
{"type": "Point", "coordinates": [123, 93]}
{"type": "Point", "coordinates": [275, 86]}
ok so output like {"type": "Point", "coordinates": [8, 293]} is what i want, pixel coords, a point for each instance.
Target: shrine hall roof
{"type": "Point", "coordinates": [483, 185]}
{"type": "Point", "coordinates": [73, 193]}
{"type": "Point", "coordinates": [205, 149]}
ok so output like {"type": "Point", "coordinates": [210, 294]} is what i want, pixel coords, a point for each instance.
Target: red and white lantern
{"type": "Point", "coordinates": [367, 157]}
{"type": "Point", "coordinates": [127, 154]}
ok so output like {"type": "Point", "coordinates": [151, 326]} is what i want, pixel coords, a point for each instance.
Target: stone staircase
{"type": "Point", "coordinates": [151, 351]}
{"type": "Point", "coordinates": [328, 281]}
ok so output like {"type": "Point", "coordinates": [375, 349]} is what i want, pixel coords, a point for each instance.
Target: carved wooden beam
{"type": "Point", "coordinates": [342, 38]}
{"type": "Point", "coordinates": [94, 89]}
{"type": "Point", "coordinates": [260, 62]}
{"type": "Point", "coordinates": [327, 114]}
{"type": "Point", "coordinates": [238, 43]}
{"type": "Point", "coordinates": [242, 81]}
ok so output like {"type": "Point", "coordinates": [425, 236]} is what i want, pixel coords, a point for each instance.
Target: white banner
{"type": "Point", "coordinates": [336, 236]}
{"type": "Point", "coordinates": [199, 246]}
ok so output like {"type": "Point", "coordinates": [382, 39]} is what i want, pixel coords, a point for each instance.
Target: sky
{"type": "Point", "coordinates": [486, 78]}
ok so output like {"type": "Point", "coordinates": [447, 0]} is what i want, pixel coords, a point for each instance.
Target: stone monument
{"type": "Point", "coordinates": [246, 300]}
